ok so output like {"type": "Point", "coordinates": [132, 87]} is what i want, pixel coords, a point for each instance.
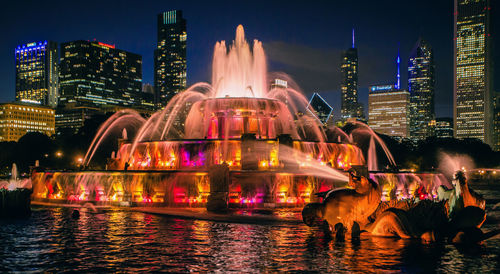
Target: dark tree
{"type": "Point", "coordinates": [7, 156]}
{"type": "Point", "coordinates": [424, 155]}
{"type": "Point", "coordinates": [31, 147]}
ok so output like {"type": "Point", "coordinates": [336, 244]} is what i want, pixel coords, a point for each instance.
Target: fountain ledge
{"type": "Point", "coordinates": [231, 217]}
{"type": "Point", "coordinates": [195, 213]}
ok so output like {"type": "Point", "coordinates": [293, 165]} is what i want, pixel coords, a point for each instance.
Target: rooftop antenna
{"type": "Point", "coordinates": [353, 38]}
{"type": "Point", "coordinates": [398, 76]}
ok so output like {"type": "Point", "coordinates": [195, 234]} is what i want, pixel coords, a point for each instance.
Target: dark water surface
{"type": "Point", "coordinates": [120, 240]}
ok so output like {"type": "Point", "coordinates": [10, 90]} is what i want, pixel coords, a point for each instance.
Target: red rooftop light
{"type": "Point", "coordinates": [106, 45]}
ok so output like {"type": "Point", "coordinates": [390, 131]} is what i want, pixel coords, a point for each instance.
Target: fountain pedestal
{"type": "Point", "coordinates": [285, 140]}
{"type": "Point", "coordinates": [217, 201]}
{"type": "Point", "coordinates": [248, 155]}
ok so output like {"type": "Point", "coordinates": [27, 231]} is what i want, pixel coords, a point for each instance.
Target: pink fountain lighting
{"type": "Point", "coordinates": [277, 151]}
{"type": "Point", "coordinates": [239, 71]}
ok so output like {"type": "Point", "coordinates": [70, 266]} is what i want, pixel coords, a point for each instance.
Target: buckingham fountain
{"type": "Point", "coordinates": [236, 139]}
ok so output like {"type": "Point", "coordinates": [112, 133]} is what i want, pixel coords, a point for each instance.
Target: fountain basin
{"type": "Point", "coordinates": [178, 188]}
{"type": "Point", "coordinates": [191, 188]}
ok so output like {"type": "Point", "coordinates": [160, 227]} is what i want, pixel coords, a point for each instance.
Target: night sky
{"type": "Point", "coordinates": [301, 38]}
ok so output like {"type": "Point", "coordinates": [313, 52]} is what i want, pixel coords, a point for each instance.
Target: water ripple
{"type": "Point", "coordinates": [120, 240]}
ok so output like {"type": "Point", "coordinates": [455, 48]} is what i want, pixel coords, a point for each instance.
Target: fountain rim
{"type": "Point", "coordinates": [192, 141]}
{"type": "Point", "coordinates": [247, 100]}
{"type": "Point", "coordinates": [181, 171]}
{"type": "Point", "coordinates": [227, 97]}
{"type": "Point", "coordinates": [402, 172]}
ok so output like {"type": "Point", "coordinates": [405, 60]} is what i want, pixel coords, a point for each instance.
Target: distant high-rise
{"type": "Point", "coordinates": [473, 94]}
{"type": "Point", "coordinates": [279, 83]}
{"type": "Point", "coordinates": [70, 120]}
{"type": "Point", "coordinates": [148, 88]}
{"type": "Point", "coordinates": [320, 108]}
{"type": "Point", "coordinates": [95, 74]}
{"type": "Point", "coordinates": [350, 107]}
{"type": "Point", "coordinates": [388, 110]}
{"type": "Point", "coordinates": [170, 56]}
{"type": "Point", "coordinates": [36, 73]}
{"type": "Point", "coordinates": [496, 122]}
{"type": "Point", "coordinates": [444, 128]}
{"type": "Point", "coordinates": [421, 87]}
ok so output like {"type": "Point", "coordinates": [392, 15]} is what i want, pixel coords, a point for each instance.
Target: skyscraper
{"type": "Point", "coordinates": [170, 56]}
{"type": "Point", "coordinates": [389, 107]}
{"type": "Point", "coordinates": [444, 128]}
{"type": "Point", "coordinates": [95, 74]}
{"type": "Point", "coordinates": [148, 88]}
{"type": "Point", "coordinates": [473, 94]}
{"type": "Point", "coordinates": [36, 73]}
{"type": "Point", "coordinates": [421, 87]}
{"type": "Point", "coordinates": [319, 107]}
{"type": "Point", "coordinates": [388, 110]}
{"type": "Point", "coordinates": [350, 107]}
{"type": "Point", "coordinates": [496, 122]}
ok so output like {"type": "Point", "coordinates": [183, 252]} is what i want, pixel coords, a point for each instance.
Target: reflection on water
{"type": "Point", "coordinates": [121, 240]}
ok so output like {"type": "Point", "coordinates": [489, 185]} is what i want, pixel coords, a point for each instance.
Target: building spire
{"type": "Point", "coordinates": [398, 76]}
{"type": "Point", "coordinates": [353, 38]}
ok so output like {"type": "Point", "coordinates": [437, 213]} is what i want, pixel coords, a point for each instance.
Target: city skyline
{"type": "Point", "coordinates": [316, 64]}
{"type": "Point", "coordinates": [250, 136]}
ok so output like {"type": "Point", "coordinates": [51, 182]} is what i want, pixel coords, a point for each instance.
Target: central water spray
{"type": "Point", "coordinates": [239, 71]}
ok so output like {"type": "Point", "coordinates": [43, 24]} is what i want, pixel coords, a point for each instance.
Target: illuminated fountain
{"type": "Point", "coordinates": [15, 195]}
{"type": "Point", "coordinates": [15, 182]}
{"type": "Point", "coordinates": [276, 150]}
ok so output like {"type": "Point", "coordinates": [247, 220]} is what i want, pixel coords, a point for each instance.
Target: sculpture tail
{"type": "Point", "coordinates": [392, 222]}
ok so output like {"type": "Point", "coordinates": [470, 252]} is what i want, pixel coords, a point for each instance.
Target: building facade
{"type": "Point", "coordinates": [148, 88]}
{"type": "Point", "coordinates": [421, 84]}
{"type": "Point", "coordinates": [319, 107]}
{"type": "Point", "coordinates": [170, 56]}
{"type": "Point", "coordinates": [473, 94]}
{"type": "Point", "coordinates": [37, 73]}
{"type": "Point", "coordinates": [444, 128]}
{"type": "Point", "coordinates": [94, 74]}
{"type": "Point", "coordinates": [496, 122]}
{"type": "Point", "coordinates": [279, 83]}
{"type": "Point", "coordinates": [350, 107]}
{"type": "Point", "coordinates": [71, 120]}
{"type": "Point", "coordinates": [388, 110]}
{"type": "Point", "coordinates": [17, 119]}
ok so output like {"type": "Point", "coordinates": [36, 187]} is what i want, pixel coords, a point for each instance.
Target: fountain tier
{"type": "Point", "coordinates": [229, 118]}
{"type": "Point", "coordinates": [276, 150]}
